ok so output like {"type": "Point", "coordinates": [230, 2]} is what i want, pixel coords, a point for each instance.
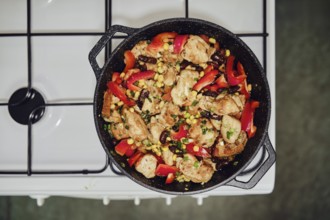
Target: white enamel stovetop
{"type": "Point", "coordinates": [65, 138]}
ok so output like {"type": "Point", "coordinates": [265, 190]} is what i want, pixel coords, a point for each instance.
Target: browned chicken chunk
{"type": "Point", "coordinates": [137, 129]}
{"type": "Point", "coordinates": [147, 165]}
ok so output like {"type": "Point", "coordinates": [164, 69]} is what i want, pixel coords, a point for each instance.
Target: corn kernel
{"type": "Point", "coordinates": [188, 121]}
{"type": "Point", "coordinates": [136, 95]}
{"type": "Point", "coordinates": [112, 106]}
{"type": "Point", "coordinates": [198, 115]}
{"type": "Point", "coordinates": [160, 64]}
{"type": "Point", "coordinates": [159, 84]}
{"type": "Point", "coordinates": [199, 96]}
{"type": "Point", "coordinates": [122, 75]}
{"type": "Point", "coordinates": [168, 139]}
{"type": "Point", "coordinates": [128, 92]}
{"type": "Point", "coordinates": [156, 76]}
{"type": "Point", "coordinates": [141, 83]}
{"type": "Point", "coordinates": [160, 78]}
{"type": "Point", "coordinates": [184, 146]}
{"type": "Point", "coordinates": [192, 117]}
{"type": "Point", "coordinates": [138, 144]}
{"type": "Point", "coordinates": [160, 69]}
{"type": "Point", "coordinates": [236, 93]}
{"type": "Point", "coordinates": [177, 67]}
{"type": "Point", "coordinates": [165, 149]}
{"type": "Point", "coordinates": [222, 143]}
{"type": "Point", "coordinates": [227, 53]}
{"type": "Point", "coordinates": [174, 157]}
{"type": "Point", "coordinates": [212, 40]}
{"type": "Point", "coordinates": [158, 153]}
{"type": "Point", "coordinates": [194, 93]}
{"type": "Point", "coordinates": [144, 86]}
{"type": "Point", "coordinates": [203, 65]}
{"type": "Point", "coordinates": [120, 103]}
{"type": "Point", "coordinates": [161, 104]}
{"type": "Point", "coordinates": [130, 141]}
{"type": "Point", "coordinates": [201, 74]}
{"type": "Point", "coordinates": [249, 87]}
{"type": "Point", "coordinates": [186, 115]}
{"type": "Point", "coordinates": [166, 46]}
{"type": "Point", "coordinates": [131, 109]}
{"type": "Point", "coordinates": [154, 147]}
{"type": "Point", "coordinates": [194, 121]}
{"type": "Point", "coordinates": [196, 148]}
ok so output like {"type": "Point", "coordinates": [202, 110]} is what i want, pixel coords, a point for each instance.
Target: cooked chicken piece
{"type": "Point", "coordinates": [170, 76]}
{"type": "Point", "coordinates": [203, 133]}
{"type": "Point", "coordinates": [230, 128]}
{"type": "Point", "coordinates": [239, 101]}
{"type": "Point", "coordinates": [151, 104]}
{"type": "Point", "coordinates": [216, 124]}
{"type": "Point", "coordinates": [227, 149]}
{"type": "Point", "coordinates": [182, 92]}
{"type": "Point", "coordinates": [155, 130]}
{"type": "Point", "coordinates": [137, 129]}
{"type": "Point", "coordinates": [196, 50]}
{"type": "Point", "coordinates": [167, 156]}
{"type": "Point", "coordinates": [141, 49]}
{"type": "Point", "coordinates": [169, 114]}
{"type": "Point", "coordinates": [209, 162]}
{"type": "Point", "coordinates": [196, 171]}
{"type": "Point", "coordinates": [119, 131]}
{"type": "Point", "coordinates": [147, 165]}
{"type": "Point", "coordinates": [171, 57]}
{"type": "Point", "coordinates": [151, 66]}
{"type": "Point", "coordinates": [106, 105]}
{"type": "Point", "coordinates": [223, 106]}
{"type": "Point", "coordinates": [153, 90]}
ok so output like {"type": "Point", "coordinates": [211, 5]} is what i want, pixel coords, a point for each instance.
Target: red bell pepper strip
{"type": "Point", "coordinates": [217, 46]}
{"type": "Point", "coordinates": [247, 118]}
{"type": "Point", "coordinates": [178, 43]}
{"type": "Point", "coordinates": [164, 169]}
{"type": "Point", "coordinates": [134, 158]}
{"type": "Point", "coordinates": [116, 78]}
{"type": "Point", "coordinates": [208, 68]}
{"type": "Point", "coordinates": [201, 152]}
{"type": "Point", "coordinates": [222, 82]}
{"type": "Point", "coordinates": [149, 74]}
{"type": "Point", "coordinates": [122, 147]}
{"type": "Point", "coordinates": [233, 80]}
{"type": "Point", "coordinates": [130, 151]}
{"type": "Point", "coordinates": [170, 178]}
{"type": "Point", "coordinates": [129, 60]}
{"type": "Point", "coordinates": [182, 133]}
{"type": "Point", "coordinates": [213, 88]}
{"type": "Point", "coordinates": [158, 41]}
{"type": "Point", "coordinates": [118, 91]}
{"type": "Point", "coordinates": [207, 79]}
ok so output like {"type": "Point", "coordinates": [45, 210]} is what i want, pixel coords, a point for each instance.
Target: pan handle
{"type": "Point", "coordinates": [103, 42]}
{"type": "Point", "coordinates": [261, 171]}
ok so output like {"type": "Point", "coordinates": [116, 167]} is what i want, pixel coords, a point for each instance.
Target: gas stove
{"type": "Point", "coordinates": [49, 145]}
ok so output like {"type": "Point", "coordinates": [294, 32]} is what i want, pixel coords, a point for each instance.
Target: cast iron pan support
{"type": "Point", "coordinates": [261, 171]}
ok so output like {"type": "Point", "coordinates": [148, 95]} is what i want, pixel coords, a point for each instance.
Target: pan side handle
{"type": "Point", "coordinates": [103, 42]}
{"type": "Point", "coordinates": [266, 165]}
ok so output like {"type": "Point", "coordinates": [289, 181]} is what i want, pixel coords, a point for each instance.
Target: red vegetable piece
{"type": "Point", "coordinates": [213, 88]}
{"type": "Point", "coordinates": [178, 43]}
{"type": "Point", "coordinates": [200, 152]}
{"type": "Point", "coordinates": [222, 82]}
{"type": "Point", "coordinates": [207, 79]}
{"type": "Point", "coordinates": [122, 147]}
{"type": "Point", "coordinates": [158, 41]}
{"type": "Point", "coordinates": [182, 133]}
{"type": "Point", "coordinates": [170, 178]}
{"type": "Point", "coordinates": [217, 46]}
{"type": "Point", "coordinates": [139, 76]}
{"type": "Point", "coordinates": [233, 80]}
{"type": "Point", "coordinates": [115, 76]}
{"type": "Point", "coordinates": [164, 169]}
{"type": "Point", "coordinates": [120, 93]}
{"type": "Point", "coordinates": [129, 60]}
{"type": "Point", "coordinates": [248, 116]}
{"type": "Point", "coordinates": [205, 38]}
{"type": "Point", "coordinates": [130, 151]}
{"type": "Point", "coordinates": [134, 158]}
{"type": "Point", "coordinates": [208, 68]}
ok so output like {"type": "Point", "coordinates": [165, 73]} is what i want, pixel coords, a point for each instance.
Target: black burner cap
{"type": "Point", "coordinates": [25, 104]}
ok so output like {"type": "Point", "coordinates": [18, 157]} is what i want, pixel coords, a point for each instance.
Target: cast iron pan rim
{"type": "Point", "coordinates": [241, 44]}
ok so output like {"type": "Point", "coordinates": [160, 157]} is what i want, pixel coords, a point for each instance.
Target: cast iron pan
{"type": "Point", "coordinates": [256, 77]}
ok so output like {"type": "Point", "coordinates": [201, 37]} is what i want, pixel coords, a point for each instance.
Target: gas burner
{"type": "Point", "coordinates": [26, 105]}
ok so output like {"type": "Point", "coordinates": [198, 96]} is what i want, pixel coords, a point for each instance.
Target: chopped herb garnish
{"type": "Point", "coordinates": [132, 93]}
{"type": "Point", "coordinates": [195, 102]}
{"type": "Point", "coordinates": [196, 164]}
{"type": "Point", "coordinates": [146, 116]}
{"type": "Point", "coordinates": [204, 130]}
{"type": "Point", "coordinates": [235, 163]}
{"type": "Point", "coordinates": [185, 158]}
{"type": "Point", "coordinates": [105, 127]}
{"type": "Point", "coordinates": [179, 145]}
{"type": "Point", "coordinates": [127, 127]}
{"type": "Point", "coordinates": [185, 140]}
{"type": "Point", "coordinates": [149, 99]}
{"type": "Point", "coordinates": [204, 121]}
{"type": "Point", "coordinates": [230, 133]}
